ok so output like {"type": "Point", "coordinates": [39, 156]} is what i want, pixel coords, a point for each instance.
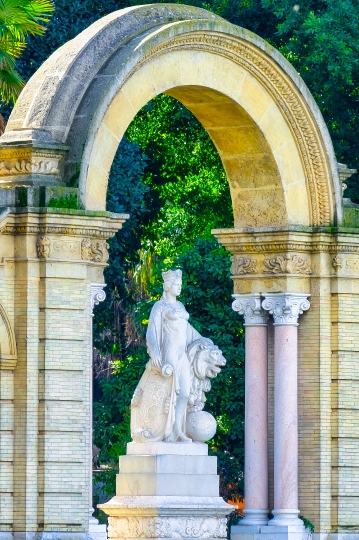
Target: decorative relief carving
{"type": "Point", "coordinates": [287, 99]}
{"type": "Point", "coordinates": [352, 265]}
{"type": "Point", "coordinates": [286, 307]}
{"type": "Point", "coordinates": [64, 246]}
{"type": "Point", "coordinates": [167, 527]}
{"type": "Point", "coordinates": [346, 264]}
{"type": "Point", "coordinates": [8, 353]}
{"type": "Point", "coordinates": [243, 265]}
{"type": "Point", "coordinates": [337, 262]}
{"type": "Point", "coordinates": [43, 247]}
{"type": "Point", "coordinates": [29, 166]}
{"type": "Point", "coordinates": [250, 306]}
{"type": "Point", "coordinates": [97, 295]}
{"type": "Point", "coordinates": [287, 264]}
{"type": "Point", "coordinates": [95, 251]}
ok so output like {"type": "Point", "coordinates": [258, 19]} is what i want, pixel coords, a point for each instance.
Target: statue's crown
{"type": "Point", "coordinates": [172, 275]}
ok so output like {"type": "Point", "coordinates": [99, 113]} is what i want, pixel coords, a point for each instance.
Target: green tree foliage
{"type": "Point", "coordinates": [321, 39]}
{"type": "Point", "coordinates": [18, 20]}
{"type": "Point", "coordinates": [189, 192]}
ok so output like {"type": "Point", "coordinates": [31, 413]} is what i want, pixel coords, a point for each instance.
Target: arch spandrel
{"type": "Point", "coordinates": [281, 166]}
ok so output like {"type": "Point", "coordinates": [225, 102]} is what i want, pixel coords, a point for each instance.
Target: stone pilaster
{"type": "Point", "coordinates": [50, 259]}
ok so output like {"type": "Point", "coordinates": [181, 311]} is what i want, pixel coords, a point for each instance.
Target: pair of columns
{"type": "Point", "coordinates": [285, 309]}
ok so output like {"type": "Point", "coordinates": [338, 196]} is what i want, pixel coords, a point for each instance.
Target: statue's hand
{"type": "Point", "coordinates": [156, 361]}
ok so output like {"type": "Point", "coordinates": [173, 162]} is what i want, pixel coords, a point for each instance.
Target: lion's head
{"type": "Point", "coordinates": [206, 361]}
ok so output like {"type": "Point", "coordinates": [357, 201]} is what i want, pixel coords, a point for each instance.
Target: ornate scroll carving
{"type": "Point", "coordinates": [28, 166]}
{"type": "Point", "coordinates": [243, 265]}
{"type": "Point", "coordinates": [97, 295]}
{"type": "Point", "coordinates": [64, 246]}
{"type": "Point", "coordinates": [287, 99]}
{"type": "Point", "coordinates": [250, 306]}
{"type": "Point", "coordinates": [43, 247]}
{"type": "Point", "coordinates": [286, 307]}
{"type": "Point", "coordinates": [167, 527]}
{"type": "Point", "coordinates": [287, 264]}
{"type": "Point", "coordinates": [95, 251]}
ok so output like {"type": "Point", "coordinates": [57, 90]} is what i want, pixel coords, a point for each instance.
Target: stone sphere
{"type": "Point", "coordinates": [200, 426]}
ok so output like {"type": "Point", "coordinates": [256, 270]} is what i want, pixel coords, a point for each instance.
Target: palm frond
{"type": "Point", "coordinates": [19, 18]}
{"type": "Point", "coordinates": [11, 47]}
{"type": "Point", "coordinates": [11, 84]}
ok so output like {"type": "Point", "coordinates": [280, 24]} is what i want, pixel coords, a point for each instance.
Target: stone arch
{"type": "Point", "coordinates": [269, 132]}
{"type": "Point", "coordinates": [8, 354]}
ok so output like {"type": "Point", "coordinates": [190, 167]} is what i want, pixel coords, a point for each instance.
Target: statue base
{"type": "Point", "coordinates": [171, 490]}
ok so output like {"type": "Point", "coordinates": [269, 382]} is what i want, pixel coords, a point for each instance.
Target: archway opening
{"type": "Point", "coordinates": [168, 174]}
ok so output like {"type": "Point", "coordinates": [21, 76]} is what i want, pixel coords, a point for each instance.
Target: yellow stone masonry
{"type": "Point", "coordinates": [45, 390]}
{"type": "Point", "coordinates": [326, 265]}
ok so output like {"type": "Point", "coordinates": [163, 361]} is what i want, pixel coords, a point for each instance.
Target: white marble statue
{"type": "Point", "coordinates": [168, 401]}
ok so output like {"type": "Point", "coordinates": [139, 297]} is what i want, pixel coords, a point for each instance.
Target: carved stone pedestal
{"type": "Point", "coordinates": [168, 491]}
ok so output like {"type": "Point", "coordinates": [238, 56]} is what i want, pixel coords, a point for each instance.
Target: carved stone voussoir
{"type": "Point", "coordinates": [287, 264]}
{"type": "Point", "coordinates": [293, 108]}
{"type": "Point", "coordinates": [286, 307]}
{"type": "Point", "coordinates": [250, 306]}
{"type": "Point", "coordinates": [167, 527]}
{"type": "Point", "coordinates": [243, 265]}
{"type": "Point", "coordinates": [94, 250]}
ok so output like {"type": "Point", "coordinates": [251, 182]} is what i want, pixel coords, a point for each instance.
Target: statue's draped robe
{"type": "Point", "coordinates": [168, 336]}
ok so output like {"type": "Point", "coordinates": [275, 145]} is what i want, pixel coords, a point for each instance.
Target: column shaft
{"type": "Point", "coordinates": [256, 409]}
{"type": "Point", "coordinates": [256, 438]}
{"type": "Point", "coordinates": [286, 308]}
{"type": "Point", "coordinates": [286, 418]}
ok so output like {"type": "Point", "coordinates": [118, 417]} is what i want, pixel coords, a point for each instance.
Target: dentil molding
{"type": "Point", "coordinates": [285, 307]}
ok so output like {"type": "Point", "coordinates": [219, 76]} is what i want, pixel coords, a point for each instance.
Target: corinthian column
{"type": "Point", "coordinates": [256, 409]}
{"type": "Point", "coordinates": [285, 308]}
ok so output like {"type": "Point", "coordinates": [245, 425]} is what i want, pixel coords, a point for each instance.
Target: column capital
{"type": "Point", "coordinates": [285, 307]}
{"type": "Point", "coordinates": [250, 306]}
{"type": "Point", "coordinates": [97, 294]}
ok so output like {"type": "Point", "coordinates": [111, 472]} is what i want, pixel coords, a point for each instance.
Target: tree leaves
{"type": "Point", "coordinates": [18, 20]}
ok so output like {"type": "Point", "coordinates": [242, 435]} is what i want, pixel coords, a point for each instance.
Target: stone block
{"type": "Point", "coordinates": [191, 485]}
{"type": "Point", "coordinates": [157, 448]}
{"type": "Point", "coordinates": [169, 464]}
